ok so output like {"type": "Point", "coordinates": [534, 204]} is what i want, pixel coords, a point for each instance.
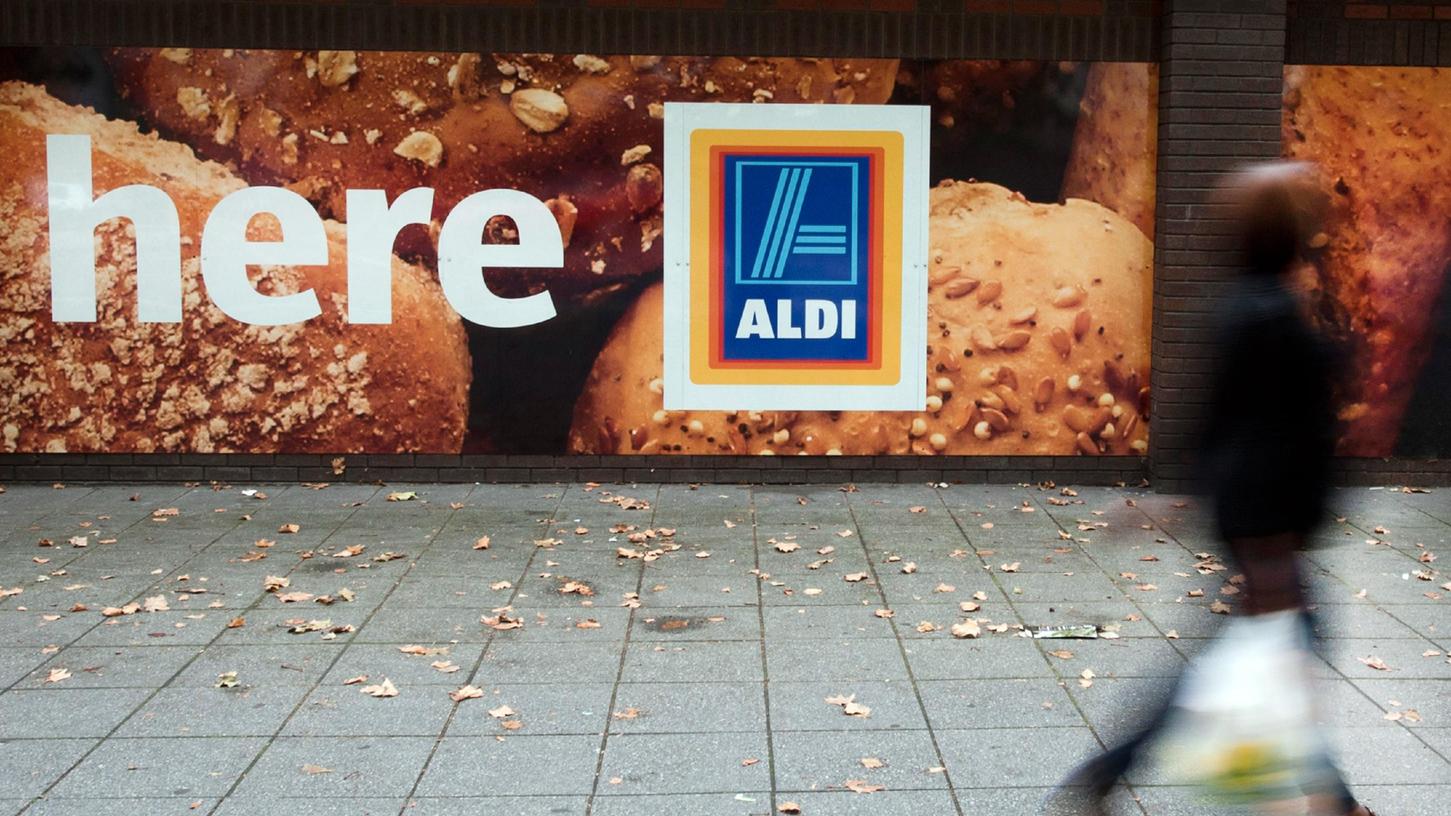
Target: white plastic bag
{"type": "Point", "coordinates": [1242, 727]}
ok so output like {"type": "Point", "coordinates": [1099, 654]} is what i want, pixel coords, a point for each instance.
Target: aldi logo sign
{"type": "Point", "coordinates": [795, 257]}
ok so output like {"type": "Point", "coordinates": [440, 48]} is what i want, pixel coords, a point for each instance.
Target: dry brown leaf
{"type": "Point", "coordinates": [884, 613]}
{"type": "Point", "coordinates": [944, 588]}
{"type": "Point", "coordinates": [862, 786]}
{"type": "Point", "coordinates": [289, 528]}
{"type": "Point", "coordinates": [354, 681]}
{"type": "Point", "coordinates": [423, 651]}
{"type": "Point", "coordinates": [909, 567]}
{"type": "Point", "coordinates": [57, 674]}
{"type": "Point", "coordinates": [380, 690]}
{"type": "Point", "coordinates": [444, 666]}
{"type": "Point", "coordinates": [482, 543]}
{"type": "Point", "coordinates": [786, 546]}
{"type": "Point", "coordinates": [927, 627]}
{"type": "Point", "coordinates": [294, 597]}
{"type": "Point", "coordinates": [854, 577]}
{"type": "Point", "coordinates": [1013, 567]}
{"type": "Point", "coordinates": [587, 623]}
{"type": "Point", "coordinates": [156, 603]}
{"type": "Point", "coordinates": [1219, 608]}
{"type": "Point", "coordinates": [1062, 654]}
{"type": "Point", "coordinates": [872, 763]}
{"type": "Point", "coordinates": [966, 629]}
{"type": "Point", "coordinates": [314, 770]}
{"type": "Point", "coordinates": [1085, 678]}
{"type": "Point", "coordinates": [501, 712]}
{"type": "Point", "coordinates": [1375, 663]}
{"type": "Point", "coordinates": [462, 693]}
{"type": "Point", "coordinates": [916, 508]}
{"type": "Point", "coordinates": [789, 808]}
{"type": "Point", "coordinates": [844, 533]}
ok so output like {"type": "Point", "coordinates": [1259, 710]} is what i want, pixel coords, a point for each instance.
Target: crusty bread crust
{"type": "Point", "coordinates": [209, 384]}
{"type": "Point", "coordinates": [1115, 146]}
{"type": "Point", "coordinates": [1380, 138]}
{"type": "Point", "coordinates": [580, 131]}
{"type": "Point", "coordinates": [999, 265]}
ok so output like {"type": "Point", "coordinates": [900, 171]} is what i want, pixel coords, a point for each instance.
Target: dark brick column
{"type": "Point", "coordinates": [1219, 107]}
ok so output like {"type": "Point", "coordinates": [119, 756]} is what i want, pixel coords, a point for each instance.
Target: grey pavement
{"type": "Point", "coordinates": [661, 649]}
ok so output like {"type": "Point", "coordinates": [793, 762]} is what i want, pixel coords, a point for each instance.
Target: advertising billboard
{"type": "Point", "coordinates": [334, 251]}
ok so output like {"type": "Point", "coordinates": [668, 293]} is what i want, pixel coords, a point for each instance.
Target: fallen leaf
{"type": "Point", "coordinates": [1062, 654]}
{"type": "Point", "coordinates": [383, 689]}
{"type": "Point", "coordinates": [226, 680]}
{"type": "Point", "coordinates": [884, 613]}
{"type": "Point", "coordinates": [289, 528]}
{"type": "Point", "coordinates": [444, 666]}
{"type": "Point", "coordinates": [462, 693]}
{"type": "Point", "coordinates": [872, 762]}
{"type": "Point", "coordinates": [788, 808]}
{"type": "Point", "coordinates": [944, 588]}
{"type": "Point", "coordinates": [862, 786]}
{"type": "Point", "coordinates": [1013, 567]}
{"type": "Point", "coordinates": [353, 681]}
{"type": "Point", "coordinates": [314, 770]}
{"type": "Point", "coordinates": [58, 674]}
{"type": "Point", "coordinates": [350, 551]}
{"type": "Point", "coordinates": [402, 495]}
{"type": "Point", "coordinates": [425, 651]}
{"type": "Point", "coordinates": [294, 597]}
{"type": "Point", "coordinates": [916, 508]}
{"type": "Point", "coordinates": [729, 523]}
{"type": "Point", "coordinates": [845, 533]}
{"type": "Point", "coordinates": [786, 546]}
{"type": "Point", "coordinates": [1172, 634]}
{"type": "Point", "coordinates": [927, 627]}
{"type": "Point", "coordinates": [236, 623]}
{"type": "Point", "coordinates": [1375, 663]}
{"type": "Point", "coordinates": [501, 712]}
{"type": "Point", "coordinates": [966, 629]}
{"type": "Point", "coordinates": [979, 596]}
{"type": "Point", "coordinates": [854, 577]}
{"type": "Point", "coordinates": [501, 622]}
{"type": "Point", "coordinates": [1085, 678]}
{"type": "Point", "coordinates": [587, 623]}
{"type": "Point", "coordinates": [827, 550]}
{"type": "Point", "coordinates": [165, 512]}
{"type": "Point", "coordinates": [909, 567]}
{"type": "Point", "coordinates": [969, 606]}
{"type": "Point", "coordinates": [482, 543]}
{"type": "Point", "coordinates": [1219, 608]}
{"type": "Point", "coordinates": [156, 603]}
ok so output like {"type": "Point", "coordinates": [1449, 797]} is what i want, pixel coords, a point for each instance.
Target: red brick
{"type": "Point", "coordinates": [1081, 7]}
{"type": "Point", "coordinates": [1035, 6]}
{"type": "Point", "coordinates": [1365, 11]}
{"type": "Point", "coordinates": [989, 6]}
{"type": "Point", "coordinates": [1411, 12]}
{"type": "Point", "coordinates": [892, 5]}
{"type": "Point", "coordinates": [1443, 13]}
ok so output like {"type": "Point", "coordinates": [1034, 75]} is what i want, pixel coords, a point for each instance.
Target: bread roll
{"type": "Point", "coordinates": [1379, 137]}
{"type": "Point", "coordinates": [209, 384]}
{"type": "Point", "coordinates": [578, 131]}
{"type": "Point", "coordinates": [1025, 302]}
{"type": "Point", "coordinates": [1115, 145]}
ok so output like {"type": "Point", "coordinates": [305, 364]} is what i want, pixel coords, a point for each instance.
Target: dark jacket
{"type": "Point", "coordinates": [1269, 435]}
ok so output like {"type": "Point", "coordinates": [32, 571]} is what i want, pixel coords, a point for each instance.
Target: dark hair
{"type": "Point", "coordinates": [1276, 209]}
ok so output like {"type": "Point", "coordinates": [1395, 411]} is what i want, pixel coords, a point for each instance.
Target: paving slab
{"type": "Point", "coordinates": [703, 680]}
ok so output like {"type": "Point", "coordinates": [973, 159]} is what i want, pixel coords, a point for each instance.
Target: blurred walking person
{"type": "Point", "coordinates": [1240, 720]}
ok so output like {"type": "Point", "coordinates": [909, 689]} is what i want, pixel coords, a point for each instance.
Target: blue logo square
{"type": "Point", "coordinates": [796, 246]}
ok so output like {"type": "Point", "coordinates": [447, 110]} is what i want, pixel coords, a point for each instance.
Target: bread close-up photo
{"type": "Point", "coordinates": [209, 383]}
{"type": "Point", "coordinates": [1379, 139]}
{"type": "Point", "coordinates": [581, 132]}
{"type": "Point", "coordinates": [1038, 343]}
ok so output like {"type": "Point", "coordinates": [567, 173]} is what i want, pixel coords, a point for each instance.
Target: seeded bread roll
{"type": "Point", "coordinates": [209, 383]}
{"type": "Point", "coordinates": [1115, 146]}
{"type": "Point", "coordinates": [580, 132]}
{"type": "Point", "coordinates": [971, 93]}
{"type": "Point", "coordinates": [1380, 139]}
{"type": "Point", "coordinates": [1038, 344]}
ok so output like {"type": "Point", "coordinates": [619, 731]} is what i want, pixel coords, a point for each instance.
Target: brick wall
{"type": "Point", "coordinates": [1219, 106]}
